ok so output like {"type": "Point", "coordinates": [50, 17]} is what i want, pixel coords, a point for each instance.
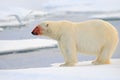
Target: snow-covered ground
{"type": "Point", "coordinates": [7, 46]}
{"type": "Point", "coordinates": [82, 71]}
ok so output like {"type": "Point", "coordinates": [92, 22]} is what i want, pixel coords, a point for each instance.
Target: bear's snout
{"type": "Point", "coordinates": [37, 30]}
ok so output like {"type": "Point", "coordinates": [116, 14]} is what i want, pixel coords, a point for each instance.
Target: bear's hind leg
{"type": "Point", "coordinates": [105, 55]}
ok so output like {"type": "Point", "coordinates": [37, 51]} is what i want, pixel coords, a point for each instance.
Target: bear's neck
{"type": "Point", "coordinates": [56, 34]}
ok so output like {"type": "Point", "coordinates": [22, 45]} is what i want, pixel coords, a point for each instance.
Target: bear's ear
{"type": "Point", "coordinates": [47, 25]}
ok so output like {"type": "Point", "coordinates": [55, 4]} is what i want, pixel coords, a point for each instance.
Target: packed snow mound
{"type": "Point", "coordinates": [83, 71]}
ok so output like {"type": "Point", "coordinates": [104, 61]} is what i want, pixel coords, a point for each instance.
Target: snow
{"type": "Point", "coordinates": [21, 12]}
{"type": "Point", "coordinates": [83, 5]}
{"type": "Point", "coordinates": [82, 71]}
{"type": "Point", "coordinates": [16, 17]}
{"type": "Point", "coordinates": [22, 45]}
{"type": "Point", "coordinates": [1, 29]}
{"type": "Point", "coordinates": [110, 16]}
{"type": "Point", "coordinates": [65, 7]}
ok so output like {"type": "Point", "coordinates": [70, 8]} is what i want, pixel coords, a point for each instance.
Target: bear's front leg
{"type": "Point", "coordinates": [69, 52]}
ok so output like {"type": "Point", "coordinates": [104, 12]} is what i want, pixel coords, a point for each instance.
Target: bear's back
{"type": "Point", "coordinates": [93, 34]}
{"type": "Point", "coordinates": [96, 27]}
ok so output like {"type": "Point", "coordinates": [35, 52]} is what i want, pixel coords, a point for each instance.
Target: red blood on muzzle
{"type": "Point", "coordinates": [37, 30]}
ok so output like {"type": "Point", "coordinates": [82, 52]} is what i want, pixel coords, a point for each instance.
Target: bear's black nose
{"type": "Point", "coordinates": [33, 33]}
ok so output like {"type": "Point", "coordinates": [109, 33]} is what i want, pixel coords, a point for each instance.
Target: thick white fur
{"type": "Point", "coordinates": [93, 37]}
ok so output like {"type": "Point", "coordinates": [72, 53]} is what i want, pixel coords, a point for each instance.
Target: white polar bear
{"type": "Point", "coordinates": [93, 37]}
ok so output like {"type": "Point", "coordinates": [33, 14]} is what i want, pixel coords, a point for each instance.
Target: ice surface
{"type": "Point", "coordinates": [1, 29]}
{"type": "Point", "coordinates": [43, 8]}
{"type": "Point", "coordinates": [83, 71]}
{"type": "Point", "coordinates": [82, 5]}
{"type": "Point", "coordinates": [110, 16]}
{"type": "Point", "coordinates": [19, 17]}
{"type": "Point", "coordinates": [22, 45]}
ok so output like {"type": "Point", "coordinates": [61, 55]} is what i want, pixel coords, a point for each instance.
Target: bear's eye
{"type": "Point", "coordinates": [47, 25]}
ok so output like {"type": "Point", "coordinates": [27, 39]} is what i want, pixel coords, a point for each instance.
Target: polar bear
{"type": "Point", "coordinates": [92, 37]}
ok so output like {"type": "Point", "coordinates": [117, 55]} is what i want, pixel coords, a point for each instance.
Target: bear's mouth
{"type": "Point", "coordinates": [37, 31]}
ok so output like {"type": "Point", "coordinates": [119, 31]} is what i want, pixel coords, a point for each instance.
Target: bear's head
{"type": "Point", "coordinates": [47, 28]}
